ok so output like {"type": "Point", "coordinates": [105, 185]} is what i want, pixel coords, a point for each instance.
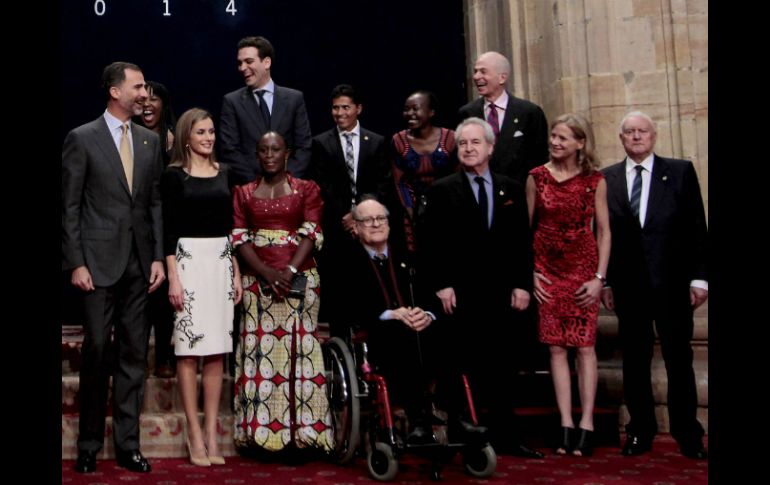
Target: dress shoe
{"type": "Point", "coordinates": [165, 371]}
{"type": "Point", "coordinates": [197, 461]}
{"type": "Point", "coordinates": [584, 444]}
{"type": "Point", "coordinates": [697, 452]}
{"type": "Point", "coordinates": [134, 461]}
{"type": "Point", "coordinates": [86, 462]}
{"type": "Point", "coordinates": [420, 435]}
{"type": "Point", "coordinates": [636, 445]}
{"type": "Point", "coordinates": [462, 431]}
{"type": "Point", "coordinates": [524, 451]}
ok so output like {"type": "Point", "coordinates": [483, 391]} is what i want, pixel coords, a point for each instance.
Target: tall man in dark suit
{"type": "Point", "coordinates": [479, 256]}
{"type": "Point", "coordinates": [259, 107]}
{"type": "Point", "coordinates": [348, 161]}
{"type": "Point", "coordinates": [111, 240]}
{"type": "Point", "coordinates": [657, 273]}
{"type": "Point", "coordinates": [520, 126]}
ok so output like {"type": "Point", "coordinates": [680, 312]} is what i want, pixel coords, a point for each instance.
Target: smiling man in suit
{"type": "Point", "coordinates": [259, 107]}
{"type": "Point", "coordinates": [657, 273]}
{"type": "Point", "coordinates": [348, 161]}
{"type": "Point", "coordinates": [520, 127]}
{"type": "Point", "coordinates": [479, 258]}
{"type": "Point", "coordinates": [111, 241]}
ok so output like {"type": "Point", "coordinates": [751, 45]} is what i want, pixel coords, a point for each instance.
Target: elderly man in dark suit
{"type": "Point", "coordinates": [259, 107]}
{"type": "Point", "coordinates": [657, 273]}
{"type": "Point", "coordinates": [348, 161]}
{"type": "Point", "coordinates": [520, 127]}
{"type": "Point", "coordinates": [479, 256]}
{"type": "Point", "coordinates": [111, 241]}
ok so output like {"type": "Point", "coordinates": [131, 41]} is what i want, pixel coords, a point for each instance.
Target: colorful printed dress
{"type": "Point", "coordinates": [280, 385]}
{"type": "Point", "coordinates": [414, 173]}
{"type": "Point", "coordinates": [567, 254]}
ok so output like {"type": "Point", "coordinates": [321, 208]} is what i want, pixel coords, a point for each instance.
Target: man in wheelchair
{"type": "Point", "coordinates": [388, 302]}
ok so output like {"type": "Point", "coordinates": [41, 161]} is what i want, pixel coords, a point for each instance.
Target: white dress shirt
{"type": "Point", "coordinates": [268, 95]}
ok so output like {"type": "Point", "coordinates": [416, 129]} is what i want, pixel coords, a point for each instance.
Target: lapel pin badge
{"type": "Point", "coordinates": [665, 177]}
{"type": "Point", "coordinates": [502, 193]}
{"type": "Point", "coordinates": [515, 120]}
{"type": "Point", "coordinates": [403, 265]}
{"type": "Point", "coordinates": [366, 137]}
{"type": "Point", "coordinates": [145, 142]}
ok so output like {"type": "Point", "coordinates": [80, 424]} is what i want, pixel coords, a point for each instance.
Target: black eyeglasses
{"type": "Point", "coordinates": [369, 221]}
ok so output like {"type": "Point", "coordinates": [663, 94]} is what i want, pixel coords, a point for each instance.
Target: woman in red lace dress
{"type": "Point", "coordinates": [280, 385]}
{"type": "Point", "coordinates": [566, 197]}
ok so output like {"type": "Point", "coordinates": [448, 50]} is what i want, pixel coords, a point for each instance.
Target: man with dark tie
{"type": "Point", "coordinates": [259, 107]}
{"type": "Point", "coordinates": [520, 127]}
{"type": "Point", "coordinates": [480, 262]}
{"type": "Point", "coordinates": [347, 161]}
{"type": "Point", "coordinates": [657, 273]}
{"type": "Point", "coordinates": [386, 297]}
{"type": "Point", "coordinates": [111, 241]}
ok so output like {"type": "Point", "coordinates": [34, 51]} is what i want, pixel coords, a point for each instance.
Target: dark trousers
{"type": "Point", "coordinates": [122, 307]}
{"type": "Point", "coordinates": [161, 318]}
{"type": "Point", "coordinates": [673, 319]}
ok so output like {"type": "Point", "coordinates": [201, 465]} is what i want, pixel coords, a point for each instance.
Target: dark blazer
{"type": "Point", "coordinates": [331, 174]}
{"type": "Point", "coordinates": [101, 219]}
{"type": "Point", "coordinates": [671, 249]}
{"type": "Point", "coordinates": [482, 265]}
{"type": "Point", "coordinates": [241, 127]}
{"type": "Point", "coordinates": [514, 155]}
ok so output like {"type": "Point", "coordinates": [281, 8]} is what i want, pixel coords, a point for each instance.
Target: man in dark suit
{"type": "Point", "coordinates": [657, 273]}
{"type": "Point", "coordinates": [520, 126]}
{"type": "Point", "coordinates": [388, 300]}
{"type": "Point", "coordinates": [111, 240]}
{"type": "Point", "coordinates": [479, 256]}
{"type": "Point", "coordinates": [259, 107]}
{"type": "Point", "coordinates": [347, 161]}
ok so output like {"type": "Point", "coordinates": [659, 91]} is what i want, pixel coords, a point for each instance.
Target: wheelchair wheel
{"type": "Point", "coordinates": [480, 462]}
{"type": "Point", "coordinates": [381, 462]}
{"type": "Point", "coordinates": [342, 389]}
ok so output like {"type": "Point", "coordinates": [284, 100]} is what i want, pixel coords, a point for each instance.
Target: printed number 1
{"type": "Point", "coordinates": [231, 8]}
{"type": "Point", "coordinates": [166, 13]}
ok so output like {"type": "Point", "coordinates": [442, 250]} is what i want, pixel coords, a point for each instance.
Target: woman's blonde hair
{"type": "Point", "coordinates": [581, 129]}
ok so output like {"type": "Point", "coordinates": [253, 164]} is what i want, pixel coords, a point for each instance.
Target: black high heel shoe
{"type": "Point", "coordinates": [584, 444]}
{"type": "Point", "coordinates": [565, 445]}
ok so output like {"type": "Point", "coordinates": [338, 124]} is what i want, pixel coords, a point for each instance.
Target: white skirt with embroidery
{"type": "Point", "coordinates": [205, 324]}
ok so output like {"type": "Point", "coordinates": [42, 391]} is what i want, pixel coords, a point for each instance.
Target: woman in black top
{"type": "Point", "coordinates": [204, 280]}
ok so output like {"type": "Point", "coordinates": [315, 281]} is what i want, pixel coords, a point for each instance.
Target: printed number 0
{"type": "Point", "coordinates": [100, 7]}
{"type": "Point", "coordinates": [231, 8]}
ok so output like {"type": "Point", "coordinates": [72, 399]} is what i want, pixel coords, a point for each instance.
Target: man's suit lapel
{"type": "Point", "coordinates": [616, 179]}
{"type": "Point", "coordinates": [143, 157]}
{"type": "Point", "coordinates": [279, 108]}
{"type": "Point", "coordinates": [252, 110]}
{"type": "Point", "coordinates": [365, 152]}
{"type": "Point", "coordinates": [103, 139]}
{"type": "Point", "coordinates": [511, 120]}
{"type": "Point", "coordinates": [658, 180]}
{"type": "Point", "coordinates": [499, 197]}
{"type": "Point", "coordinates": [469, 201]}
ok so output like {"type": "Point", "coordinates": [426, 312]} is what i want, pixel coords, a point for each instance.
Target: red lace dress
{"type": "Point", "coordinates": [567, 254]}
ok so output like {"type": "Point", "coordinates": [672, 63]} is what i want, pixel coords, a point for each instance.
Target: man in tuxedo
{"type": "Point", "coordinates": [347, 161]}
{"type": "Point", "coordinates": [520, 127]}
{"type": "Point", "coordinates": [259, 107]}
{"type": "Point", "coordinates": [111, 241]}
{"type": "Point", "coordinates": [657, 273]}
{"type": "Point", "coordinates": [479, 256]}
{"type": "Point", "coordinates": [389, 301]}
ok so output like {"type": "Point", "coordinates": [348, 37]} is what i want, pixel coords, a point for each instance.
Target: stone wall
{"type": "Point", "coordinates": [603, 58]}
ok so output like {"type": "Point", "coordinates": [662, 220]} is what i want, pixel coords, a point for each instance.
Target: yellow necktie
{"type": "Point", "coordinates": [126, 157]}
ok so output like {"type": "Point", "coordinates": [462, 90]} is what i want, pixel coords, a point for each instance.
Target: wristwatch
{"type": "Point", "coordinates": [292, 269]}
{"type": "Point", "coordinates": [601, 278]}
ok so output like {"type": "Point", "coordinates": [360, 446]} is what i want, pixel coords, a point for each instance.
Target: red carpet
{"type": "Point", "coordinates": [663, 466]}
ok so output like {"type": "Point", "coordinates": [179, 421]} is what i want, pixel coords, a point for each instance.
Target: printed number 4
{"type": "Point", "coordinates": [231, 7]}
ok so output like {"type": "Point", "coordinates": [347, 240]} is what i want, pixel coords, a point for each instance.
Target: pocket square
{"type": "Point", "coordinates": [508, 202]}
{"type": "Point", "coordinates": [518, 133]}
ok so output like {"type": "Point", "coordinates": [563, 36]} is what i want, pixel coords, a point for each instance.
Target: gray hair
{"type": "Point", "coordinates": [500, 61]}
{"type": "Point", "coordinates": [365, 198]}
{"type": "Point", "coordinates": [641, 115]}
{"type": "Point", "coordinates": [488, 133]}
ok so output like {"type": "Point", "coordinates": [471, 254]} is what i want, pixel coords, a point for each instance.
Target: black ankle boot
{"type": "Point", "coordinates": [565, 443]}
{"type": "Point", "coordinates": [584, 444]}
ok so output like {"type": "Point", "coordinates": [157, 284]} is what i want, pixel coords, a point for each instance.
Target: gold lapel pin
{"type": "Point", "coordinates": [366, 137]}
{"type": "Point", "coordinates": [145, 142]}
{"type": "Point", "coordinates": [403, 265]}
{"type": "Point", "coordinates": [515, 120]}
